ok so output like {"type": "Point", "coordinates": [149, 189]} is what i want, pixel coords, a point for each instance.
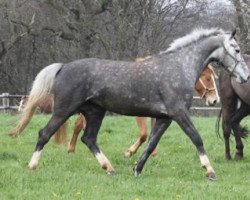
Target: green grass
{"type": "Point", "coordinates": [174, 174]}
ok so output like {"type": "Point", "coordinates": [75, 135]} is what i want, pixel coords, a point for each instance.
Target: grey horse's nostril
{"type": "Point", "coordinates": [244, 80]}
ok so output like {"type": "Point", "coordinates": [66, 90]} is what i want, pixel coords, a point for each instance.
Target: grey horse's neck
{"type": "Point", "coordinates": [195, 57]}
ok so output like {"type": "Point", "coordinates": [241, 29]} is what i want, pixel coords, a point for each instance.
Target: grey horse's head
{"type": "Point", "coordinates": [232, 60]}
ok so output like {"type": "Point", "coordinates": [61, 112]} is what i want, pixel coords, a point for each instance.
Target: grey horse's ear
{"type": "Point", "coordinates": [233, 33]}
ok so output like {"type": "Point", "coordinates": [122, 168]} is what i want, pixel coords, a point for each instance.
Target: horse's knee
{"type": "Point", "coordinates": [143, 137]}
{"type": "Point", "coordinates": [86, 140]}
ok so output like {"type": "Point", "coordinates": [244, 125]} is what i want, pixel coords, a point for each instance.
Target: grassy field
{"type": "Point", "coordinates": [174, 174]}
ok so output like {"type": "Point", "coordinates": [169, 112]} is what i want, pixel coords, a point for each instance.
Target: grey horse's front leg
{"type": "Point", "coordinates": [160, 126]}
{"type": "Point", "coordinates": [184, 121]}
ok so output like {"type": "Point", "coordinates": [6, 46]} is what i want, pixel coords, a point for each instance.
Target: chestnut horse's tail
{"type": "Point", "coordinates": [60, 135]}
{"type": "Point", "coordinates": [40, 89]}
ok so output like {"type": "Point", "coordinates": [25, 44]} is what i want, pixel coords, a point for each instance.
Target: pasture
{"type": "Point", "coordinates": [173, 174]}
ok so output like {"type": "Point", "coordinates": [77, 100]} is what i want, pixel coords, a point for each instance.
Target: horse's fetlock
{"type": "Point", "coordinates": [143, 138]}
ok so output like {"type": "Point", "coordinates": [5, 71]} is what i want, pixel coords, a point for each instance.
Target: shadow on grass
{"type": "Point", "coordinates": [8, 156]}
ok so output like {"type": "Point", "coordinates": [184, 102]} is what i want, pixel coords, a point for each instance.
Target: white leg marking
{"type": "Point", "coordinates": [205, 163]}
{"type": "Point", "coordinates": [34, 159]}
{"type": "Point", "coordinates": [204, 160]}
{"type": "Point", "coordinates": [217, 94]}
{"type": "Point", "coordinates": [104, 162]}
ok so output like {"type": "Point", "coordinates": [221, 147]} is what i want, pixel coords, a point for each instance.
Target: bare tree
{"type": "Point", "coordinates": [36, 33]}
{"type": "Point", "coordinates": [242, 8]}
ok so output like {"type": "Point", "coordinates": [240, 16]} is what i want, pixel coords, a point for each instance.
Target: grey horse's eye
{"type": "Point", "coordinates": [237, 50]}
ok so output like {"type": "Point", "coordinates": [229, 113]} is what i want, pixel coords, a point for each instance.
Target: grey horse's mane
{"type": "Point", "coordinates": [194, 36]}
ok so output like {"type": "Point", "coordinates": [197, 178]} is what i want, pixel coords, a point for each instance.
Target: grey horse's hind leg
{"type": "Point", "coordinates": [160, 126]}
{"type": "Point", "coordinates": [94, 116]}
{"type": "Point", "coordinates": [184, 121]}
{"type": "Point", "coordinates": [44, 135]}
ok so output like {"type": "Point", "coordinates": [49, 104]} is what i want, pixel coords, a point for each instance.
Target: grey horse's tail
{"type": "Point", "coordinates": [242, 131]}
{"type": "Point", "coordinates": [41, 88]}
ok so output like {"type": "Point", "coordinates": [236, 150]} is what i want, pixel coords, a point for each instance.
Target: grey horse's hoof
{"type": "Point", "coordinates": [128, 153]}
{"type": "Point", "coordinates": [211, 176]}
{"type": "Point", "coordinates": [111, 173]}
{"type": "Point", "coordinates": [136, 173]}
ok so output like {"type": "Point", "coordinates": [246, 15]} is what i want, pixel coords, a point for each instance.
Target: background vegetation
{"type": "Point", "coordinates": [175, 173]}
{"type": "Point", "coordinates": [36, 33]}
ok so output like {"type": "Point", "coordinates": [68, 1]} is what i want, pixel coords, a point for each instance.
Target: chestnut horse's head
{"type": "Point", "coordinates": [206, 86]}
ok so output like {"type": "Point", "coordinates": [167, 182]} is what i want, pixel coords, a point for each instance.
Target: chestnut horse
{"type": "Point", "coordinates": [235, 105]}
{"type": "Point", "coordinates": [205, 87]}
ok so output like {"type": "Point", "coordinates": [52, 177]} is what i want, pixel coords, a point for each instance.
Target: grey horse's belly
{"type": "Point", "coordinates": [133, 108]}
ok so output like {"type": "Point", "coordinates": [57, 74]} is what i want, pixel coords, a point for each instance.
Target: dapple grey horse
{"type": "Point", "coordinates": [161, 87]}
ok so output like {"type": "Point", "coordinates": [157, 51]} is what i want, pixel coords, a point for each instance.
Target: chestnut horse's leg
{"type": "Point", "coordinates": [160, 126]}
{"type": "Point", "coordinates": [142, 124]}
{"type": "Point", "coordinates": [239, 132]}
{"type": "Point", "coordinates": [94, 116]}
{"type": "Point", "coordinates": [80, 124]}
{"type": "Point", "coordinates": [61, 134]}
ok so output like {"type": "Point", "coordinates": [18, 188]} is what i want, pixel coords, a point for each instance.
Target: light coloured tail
{"type": "Point", "coordinates": [40, 89]}
{"type": "Point", "coordinates": [60, 135]}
